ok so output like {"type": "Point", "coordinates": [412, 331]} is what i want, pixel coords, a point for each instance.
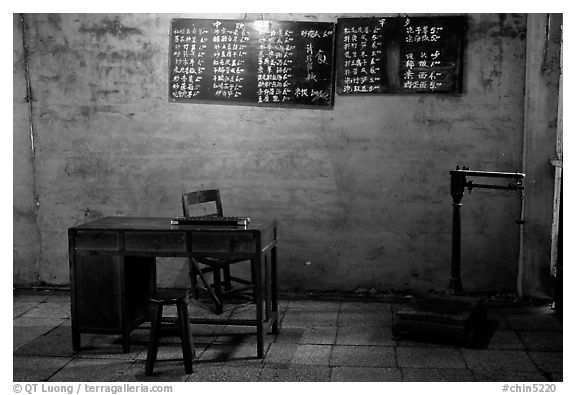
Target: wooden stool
{"type": "Point", "coordinates": [180, 300]}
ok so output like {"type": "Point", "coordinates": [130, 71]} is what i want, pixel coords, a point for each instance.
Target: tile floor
{"type": "Point", "coordinates": [319, 340]}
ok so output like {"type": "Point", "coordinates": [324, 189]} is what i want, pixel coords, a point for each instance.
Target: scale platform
{"type": "Point", "coordinates": [441, 317]}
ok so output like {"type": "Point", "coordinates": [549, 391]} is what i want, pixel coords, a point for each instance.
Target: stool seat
{"type": "Point", "coordinates": [160, 299]}
{"type": "Point", "coordinates": [169, 296]}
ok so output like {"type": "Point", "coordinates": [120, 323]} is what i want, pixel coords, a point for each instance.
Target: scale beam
{"type": "Point", "coordinates": [458, 183]}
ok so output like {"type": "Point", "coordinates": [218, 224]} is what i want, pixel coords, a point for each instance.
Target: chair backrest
{"type": "Point", "coordinates": [207, 203]}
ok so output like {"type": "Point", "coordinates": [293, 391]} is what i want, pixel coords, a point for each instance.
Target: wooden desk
{"type": "Point", "coordinates": [113, 270]}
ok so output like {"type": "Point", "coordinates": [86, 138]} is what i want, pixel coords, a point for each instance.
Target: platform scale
{"type": "Point", "coordinates": [451, 316]}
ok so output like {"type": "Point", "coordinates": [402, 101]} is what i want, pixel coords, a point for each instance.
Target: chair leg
{"type": "Point", "coordinates": [188, 351]}
{"type": "Point", "coordinates": [154, 338]}
{"type": "Point", "coordinates": [211, 288]}
{"type": "Point", "coordinates": [218, 291]}
{"type": "Point", "coordinates": [227, 278]}
{"type": "Point", "coordinates": [193, 278]}
{"type": "Point", "coordinates": [253, 273]}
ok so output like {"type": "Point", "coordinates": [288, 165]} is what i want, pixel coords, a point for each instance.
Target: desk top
{"type": "Point", "coordinates": [163, 223]}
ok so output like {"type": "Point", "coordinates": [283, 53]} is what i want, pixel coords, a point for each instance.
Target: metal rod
{"type": "Point", "coordinates": [496, 174]}
{"type": "Point", "coordinates": [487, 186]}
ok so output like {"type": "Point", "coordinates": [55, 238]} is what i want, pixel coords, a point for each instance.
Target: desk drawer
{"type": "Point", "coordinates": [222, 242]}
{"type": "Point", "coordinates": [96, 240]}
{"type": "Point", "coordinates": [155, 241]}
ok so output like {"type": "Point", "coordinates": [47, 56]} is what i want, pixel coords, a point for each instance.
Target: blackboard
{"type": "Point", "coordinates": [260, 63]}
{"type": "Point", "coordinates": [400, 55]}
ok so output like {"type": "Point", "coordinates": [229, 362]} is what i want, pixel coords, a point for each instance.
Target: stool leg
{"type": "Point", "coordinates": [188, 351]}
{"type": "Point", "coordinates": [154, 338]}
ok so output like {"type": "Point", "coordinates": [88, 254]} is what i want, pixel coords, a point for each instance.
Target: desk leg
{"type": "Point", "coordinates": [258, 296]}
{"type": "Point", "coordinates": [120, 262]}
{"type": "Point", "coordinates": [73, 304]}
{"type": "Point", "coordinates": [274, 280]}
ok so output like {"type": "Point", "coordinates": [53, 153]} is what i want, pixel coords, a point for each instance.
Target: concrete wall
{"type": "Point", "coordinates": [360, 192]}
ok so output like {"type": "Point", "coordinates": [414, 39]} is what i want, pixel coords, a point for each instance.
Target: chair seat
{"type": "Point", "coordinates": [216, 262]}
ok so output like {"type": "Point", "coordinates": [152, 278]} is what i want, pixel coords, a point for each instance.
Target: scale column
{"type": "Point", "coordinates": [457, 185]}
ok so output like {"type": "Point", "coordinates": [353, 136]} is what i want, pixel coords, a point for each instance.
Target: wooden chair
{"type": "Point", "coordinates": [159, 326]}
{"type": "Point", "coordinates": [221, 286]}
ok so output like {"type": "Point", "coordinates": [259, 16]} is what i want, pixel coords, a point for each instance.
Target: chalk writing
{"type": "Point", "coordinates": [316, 58]}
{"type": "Point", "coordinates": [230, 51]}
{"type": "Point", "coordinates": [400, 54]}
{"type": "Point", "coordinates": [189, 53]}
{"type": "Point", "coordinates": [423, 67]}
{"type": "Point", "coordinates": [252, 62]}
{"type": "Point", "coordinates": [362, 58]}
{"type": "Point", "coordinates": [275, 62]}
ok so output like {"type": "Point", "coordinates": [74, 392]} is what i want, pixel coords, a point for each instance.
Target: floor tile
{"type": "Point", "coordinates": [365, 307]}
{"type": "Point", "coordinates": [293, 335]}
{"type": "Point", "coordinates": [374, 356]}
{"type": "Point", "coordinates": [428, 343]}
{"type": "Point", "coordinates": [425, 357]}
{"type": "Point", "coordinates": [432, 374]}
{"type": "Point", "coordinates": [295, 373]}
{"type": "Point", "coordinates": [164, 371]}
{"type": "Point", "coordinates": [49, 310]}
{"type": "Point", "coordinates": [225, 371]}
{"type": "Point", "coordinates": [541, 341]}
{"type": "Point", "coordinates": [504, 360]}
{"type": "Point", "coordinates": [307, 335]}
{"type": "Point", "coordinates": [19, 308]}
{"type": "Point", "coordinates": [36, 368]}
{"type": "Point", "coordinates": [40, 322]}
{"type": "Point", "coordinates": [245, 352]}
{"type": "Point", "coordinates": [32, 296]}
{"type": "Point", "coordinates": [309, 318]}
{"type": "Point", "coordinates": [168, 350]}
{"type": "Point", "coordinates": [26, 329]}
{"type": "Point", "coordinates": [505, 340]}
{"type": "Point", "coordinates": [551, 362]}
{"type": "Point", "coordinates": [364, 374]}
{"type": "Point", "coordinates": [556, 377]}
{"type": "Point", "coordinates": [63, 298]}
{"type": "Point", "coordinates": [56, 343]}
{"type": "Point", "coordinates": [305, 354]}
{"type": "Point", "coordinates": [326, 306]}
{"type": "Point", "coordinates": [97, 346]}
{"type": "Point", "coordinates": [365, 336]}
{"type": "Point", "coordinates": [237, 334]}
{"type": "Point", "coordinates": [349, 318]}
{"type": "Point", "coordinates": [548, 321]}
{"type": "Point", "coordinates": [85, 369]}
{"type": "Point", "coordinates": [319, 340]}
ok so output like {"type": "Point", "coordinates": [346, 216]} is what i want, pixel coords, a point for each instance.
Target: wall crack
{"type": "Point", "coordinates": [32, 139]}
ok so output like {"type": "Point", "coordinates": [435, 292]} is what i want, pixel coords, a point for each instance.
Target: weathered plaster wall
{"type": "Point", "coordinates": [541, 128]}
{"type": "Point", "coordinates": [26, 234]}
{"type": "Point", "coordinates": [361, 192]}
